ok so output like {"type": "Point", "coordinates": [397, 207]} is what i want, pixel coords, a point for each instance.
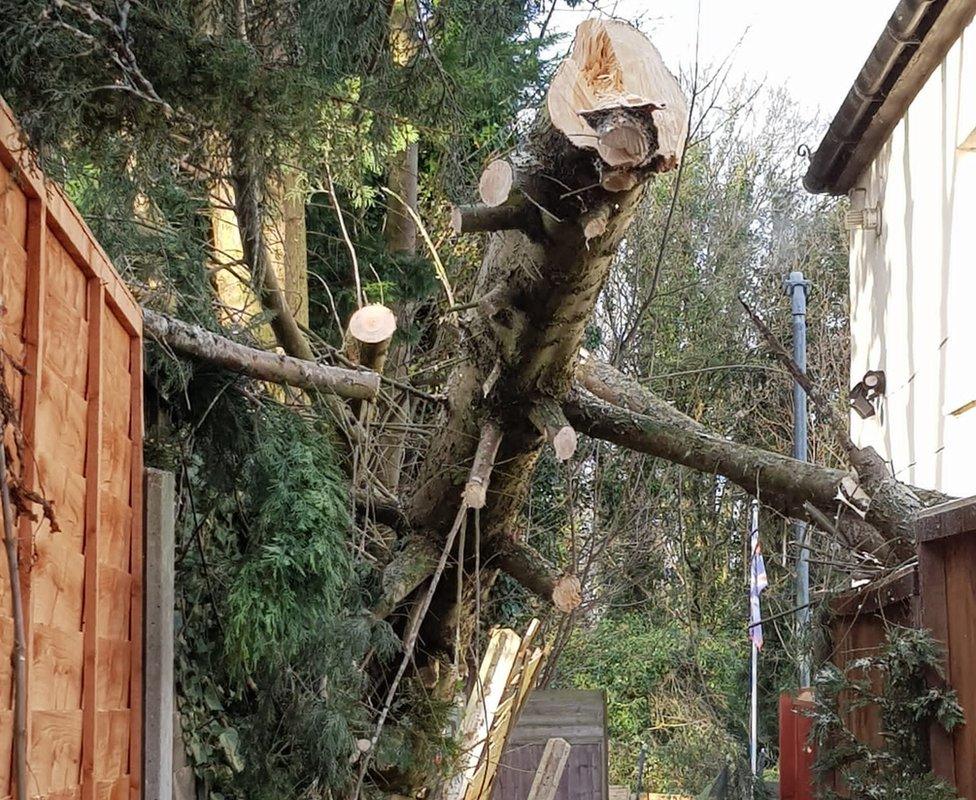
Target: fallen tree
{"type": "Point", "coordinates": [556, 210]}
{"type": "Point", "coordinates": [613, 117]}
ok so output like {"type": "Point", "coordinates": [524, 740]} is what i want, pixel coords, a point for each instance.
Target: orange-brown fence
{"type": "Point", "coordinates": [858, 628]}
{"type": "Point", "coordinates": [74, 333]}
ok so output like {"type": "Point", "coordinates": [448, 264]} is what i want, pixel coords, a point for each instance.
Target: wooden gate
{"type": "Point", "coordinates": [75, 332]}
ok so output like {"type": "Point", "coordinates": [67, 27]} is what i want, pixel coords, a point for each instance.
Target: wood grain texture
{"type": "Point", "coordinates": [960, 564]}
{"type": "Point", "coordinates": [136, 501]}
{"type": "Point", "coordinates": [33, 334]}
{"type": "Point", "coordinates": [93, 585]}
{"type": "Point", "coordinates": [933, 614]}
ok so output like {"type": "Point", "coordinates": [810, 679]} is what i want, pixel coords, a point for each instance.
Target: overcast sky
{"type": "Point", "coordinates": [814, 48]}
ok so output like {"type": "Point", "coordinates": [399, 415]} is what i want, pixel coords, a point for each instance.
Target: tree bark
{"type": "Point", "coordinates": [249, 204]}
{"type": "Point", "coordinates": [634, 417]}
{"type": "Point", "coordinates": [190, 340]}
{"type": "Point", "coordinates": [520, 353]}
{"type": "Point", "coordinates": [519, 350]}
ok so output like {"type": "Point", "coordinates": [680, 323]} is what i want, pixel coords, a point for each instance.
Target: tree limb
{"type": "Point", "coordinates": [191, 340]}
{"type": "Point", "coordinates": [634, 417]}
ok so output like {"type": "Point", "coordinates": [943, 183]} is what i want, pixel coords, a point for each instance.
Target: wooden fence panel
{"type": "Point", "coordinates": [858, 628]}
{"type": "Point", "coordinates": [76, 331]}
{"type": "Point", "coordinates": [940, 596]}
{"type": "Point", "coordinates": [947, 583]}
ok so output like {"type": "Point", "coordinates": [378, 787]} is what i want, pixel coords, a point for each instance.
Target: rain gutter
{"type": "Point", "coordinates": [914, 42]}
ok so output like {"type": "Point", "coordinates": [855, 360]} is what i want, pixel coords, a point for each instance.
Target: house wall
{"type": "Point", "coordinates": [913, 283]}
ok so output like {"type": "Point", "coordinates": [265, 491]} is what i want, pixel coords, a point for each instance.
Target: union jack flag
{"type": "Point", "coordinates": [757, 582]}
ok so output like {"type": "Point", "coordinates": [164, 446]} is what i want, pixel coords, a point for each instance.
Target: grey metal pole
{"type": "Point", "coordinates": [754, 664]}
{"type": "Point", "coordinates": [798, 288]}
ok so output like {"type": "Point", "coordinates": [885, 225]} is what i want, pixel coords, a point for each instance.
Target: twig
{"type": "Point", "coordinates": [409, 642]}
{"type": "Point", "coordinates": [19, 653]}
{"type": "Point", "coordinates": [438, 264]}
{"type": "Point", "coordinates": [837, 424]}
{"type": "Point", "coordinates": [345, 236]}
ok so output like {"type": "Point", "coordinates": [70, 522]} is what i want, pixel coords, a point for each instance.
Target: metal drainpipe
{"type": "Point", "coordinates": [798, 288]}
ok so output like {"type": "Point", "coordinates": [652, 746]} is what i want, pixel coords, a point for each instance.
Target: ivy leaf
{"type": "Point", "coordinates": [231, 745]}
{"type": "Point", "coordinates": [211, 699]}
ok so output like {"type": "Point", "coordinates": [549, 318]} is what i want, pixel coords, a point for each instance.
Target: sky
{"type": "Point", "coordinates": [814, 49]}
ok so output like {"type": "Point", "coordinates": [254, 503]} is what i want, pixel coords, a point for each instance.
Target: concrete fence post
{"type": "Point", "coordinates": [160, 505]}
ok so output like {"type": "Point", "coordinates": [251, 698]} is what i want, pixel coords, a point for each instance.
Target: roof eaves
{"type": "Point", "coordinates": [915, 40]}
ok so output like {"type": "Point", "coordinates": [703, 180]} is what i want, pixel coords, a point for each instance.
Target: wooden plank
{"type": "Point", "coordinates": [13, 211]}
{"type": "Point", "coordinates": [93, 576]}
{"type": "Point", "coordinates": [65, 219]}
{"type": "Point", "coordinates": [486, 697]}
{"type": "Point", "coordinates": [112, 747]}
{"type": "Point", "coordinates": [56, 682]}
{"type": "Point", "coordinates": [33, 348]}
{"type": "Point", "coordinates": [58, 584]}
{"type": "Point", "coordinates": [14, 155]}
{"type": "Point", "coordinates": [960, 564]}
{"type": "Point", "coordinates": [136, 433]}
{"type": "Point", "coordinates": [946, 519]}
{"type": "Point", "coordinates": [75, 235]}
{"type": "Point", "coordinates": [113, 674]}
{"type": "Point", "coordinates": [6, 750]}
{"type": "Point", "coordinates": [550, 770]}
{"type": "Point", "coordinates": [576, 715]}
{"type": "Point", "coordinates": [933, 613]}
{"type": "Point", "coordinates": [898, 587]}
{"type": "Point", "coordinates": [54, 755]}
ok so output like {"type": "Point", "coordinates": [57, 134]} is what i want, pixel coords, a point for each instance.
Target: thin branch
{"type": "Point", "coordinates": [18, 654]}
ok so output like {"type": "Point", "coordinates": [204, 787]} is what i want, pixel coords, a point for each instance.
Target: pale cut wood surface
{"type": "Point", "coordinates": [612, 64]}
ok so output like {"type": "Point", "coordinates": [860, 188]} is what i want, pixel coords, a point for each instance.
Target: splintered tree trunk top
{"type": "Point", "coordinates": [614, 69]}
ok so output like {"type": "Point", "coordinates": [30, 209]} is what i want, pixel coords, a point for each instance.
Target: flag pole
{"type": "Point", "coordinates": [754, 710]}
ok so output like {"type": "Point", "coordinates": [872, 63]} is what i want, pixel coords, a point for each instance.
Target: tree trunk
{"type": "Point", "coordinates": [249, 200]}
{"type": "Point", "coordinates": [539, 288]}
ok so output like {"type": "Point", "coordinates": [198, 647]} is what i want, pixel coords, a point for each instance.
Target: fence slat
{"type": "Point", "coordinates": [135, 568]}
{"type": "Point", "coordinates": [31, 393]}
{"type": "Point", "coordinates": [933, 612]}
{"type": "Point", "coordinates": [93, 462]}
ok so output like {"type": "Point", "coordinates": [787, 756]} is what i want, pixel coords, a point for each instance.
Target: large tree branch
{"type": "Point", "coordinates": [190, 340]}
{"type": "Point", "coordinates": [608, 405]}
{"type": "Point", "coordinates": [662, 431]}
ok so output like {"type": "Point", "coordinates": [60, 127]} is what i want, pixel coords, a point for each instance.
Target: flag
{"type": "Point", "coordinates": [757, 580]}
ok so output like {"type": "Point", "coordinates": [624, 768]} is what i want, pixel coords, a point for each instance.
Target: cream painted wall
{"type": "Point", "coordinates": [913, 284]}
